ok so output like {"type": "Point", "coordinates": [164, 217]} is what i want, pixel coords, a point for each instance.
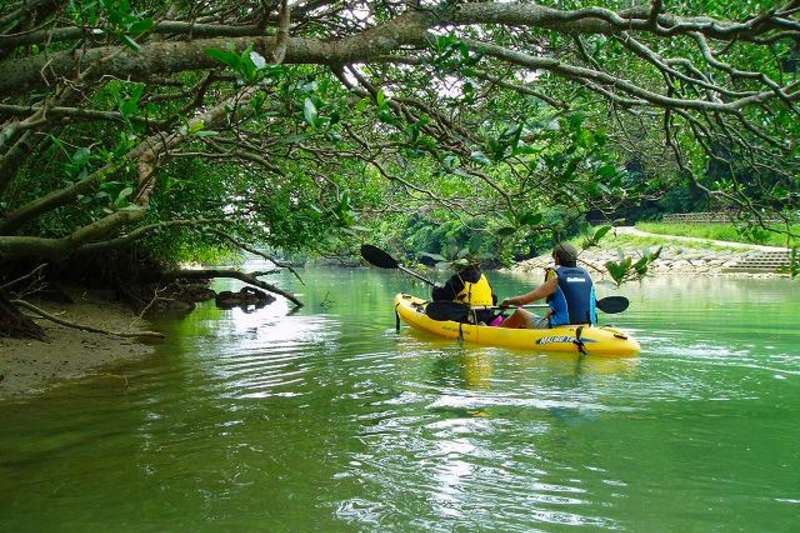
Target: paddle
{"type": "Point", "coordinates": [459, 312]}
{"type": "Point", "coordinates": [613, 304]}
{"type": "Point", "coordinates": [377, 257]}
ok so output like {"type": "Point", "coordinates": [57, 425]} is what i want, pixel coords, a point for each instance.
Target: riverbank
{"type": "Point", "coordinates": [675, 260]}
{"type": "Point", "coordinates": [29, 367]}
{"type": "Point", "coordinates": [720, 232]}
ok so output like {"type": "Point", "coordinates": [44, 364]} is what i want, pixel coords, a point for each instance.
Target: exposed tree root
{"type": "Point", "coordinates": [22, 278]}
{"type": "Point", "coordinates": [15, 324]}
{"type": "Point", "coordinates": [84, 327]}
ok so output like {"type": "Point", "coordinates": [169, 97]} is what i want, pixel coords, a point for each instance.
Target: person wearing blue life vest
{"type": "Point", "coordinates": [568, 289]}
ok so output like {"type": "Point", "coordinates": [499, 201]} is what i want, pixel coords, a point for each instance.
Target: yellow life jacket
{"type": "Point", "coordinates": [478, 293]}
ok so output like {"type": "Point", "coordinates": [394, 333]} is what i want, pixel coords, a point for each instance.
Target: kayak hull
{"type": "Point", "coordinates": [598, 340]}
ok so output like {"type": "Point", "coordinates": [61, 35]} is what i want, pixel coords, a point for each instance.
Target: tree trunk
{"type": "Point", "coordinates": [16, 325]}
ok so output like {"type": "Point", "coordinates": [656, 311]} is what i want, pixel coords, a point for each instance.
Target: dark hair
{"type": "Point", "coordinates": [470, 273]}
{"type": "Point", "coordinates": [566, 254]}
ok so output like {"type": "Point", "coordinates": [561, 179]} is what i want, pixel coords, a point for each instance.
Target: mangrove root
{"type": "Point", "coordinates": [246, 297]}
{"type": "Point", "coordinates": [15, 324]}
{"type": "Point", "coordinates": [250, 279]}
{"type": "Point", "coordinates": [83, 327]}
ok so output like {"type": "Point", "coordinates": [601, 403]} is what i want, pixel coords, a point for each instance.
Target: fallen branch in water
{"type": "Point", "coordinates": [235, 274]}
{"type": "Point", "coordinates": [83, 327]}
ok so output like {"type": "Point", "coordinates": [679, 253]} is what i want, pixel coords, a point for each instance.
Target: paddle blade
{"type": "Point", "coordinates": [377, 257]}
{"type": "Point", "coordinates": [613, 304]}
{"type": "Point", "coordinates": [447, 311]}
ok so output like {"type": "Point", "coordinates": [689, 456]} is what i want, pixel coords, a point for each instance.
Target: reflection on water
{"type": "Point", "coordinates": [329, 420]}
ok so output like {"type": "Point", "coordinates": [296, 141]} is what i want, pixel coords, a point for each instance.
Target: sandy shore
{"type": "Point", "coordinates": [28, 367]}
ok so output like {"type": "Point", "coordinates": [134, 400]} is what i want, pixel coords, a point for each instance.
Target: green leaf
{"type": "Point", "coordinates": [195, 126]}
{"type": "Point", "coordinates": [480, 157]}
{"type": "Point", "coordinates": [223, 56]}
{"type": "Point", "coordinates": [436, 257]}
{"type": "Point", "coordinates": [362, 105]}
{"type": "Point", "coordinates": [310, 112]}
{"type": "Point", "coordinates": [619, 269]}
{"type": "Point", "coordinates": [450, 161]}
{"type": "Point", "coordinates": [531, 219]}
{"type": "Point", "coordinates": [506, 231]}
{"type": "Point", "coordinates": [380, 98]}
{"type": "Point", "coordinates": [640, 266]}
{"type": "Point", "coordinates": [655, 255]}
{"type": "Point", "coordinates": [128, 41]}
{"type": "Point", "coordinates": [601, 232]}
{"type": "Point", "coordinates": [386, 115]}
{"type": "Point", "coordinates": [122, 197]}
{"type": "Point", "coordinates": [141, 26]}
{"type": "Point", "coordinates": [584, 138]}
{"type": "Point", "coordinates": [129, 108]}
{"type": "Point", "coordinates": [524, 149]}
{"type": "Point", "coordinates": [607, 171]}
{"type": "Point", "coordinates": [570, 169]}
{"type": "Point", "coordinates": [258, 60]}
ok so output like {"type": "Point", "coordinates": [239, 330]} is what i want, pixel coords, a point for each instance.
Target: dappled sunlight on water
{"type": "Point", "coordinates": [327, 419]}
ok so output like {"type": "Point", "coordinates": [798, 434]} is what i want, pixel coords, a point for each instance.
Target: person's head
{"type": "Point", "coordinates": [468, 269]}
{"type": "Point", "coordinates": [565, 255]}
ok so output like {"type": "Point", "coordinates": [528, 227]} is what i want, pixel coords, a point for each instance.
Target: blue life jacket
{"type": "Point", "coordinates": [574, 301]}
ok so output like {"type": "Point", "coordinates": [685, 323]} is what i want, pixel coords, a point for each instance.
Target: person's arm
{"type": "Point", "coordinates": [542, 291]}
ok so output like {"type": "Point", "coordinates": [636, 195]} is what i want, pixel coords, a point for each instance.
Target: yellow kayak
{"type": "Point", "coordinates": [596, 340]}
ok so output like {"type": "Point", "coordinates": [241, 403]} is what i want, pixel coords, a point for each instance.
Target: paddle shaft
{"type": "Point", "coordinates": [414, 274]}
{"type": "Point", "coordinates": [527, 306]}
{"type": "Point", "coordinates": [607, 305]}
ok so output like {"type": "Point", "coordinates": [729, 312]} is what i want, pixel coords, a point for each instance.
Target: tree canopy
{"type": "Point", "coordinates": [303, 125]}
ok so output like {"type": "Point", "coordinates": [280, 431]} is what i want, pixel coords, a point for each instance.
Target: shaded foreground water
{"type": "Point", "coordinates": [328, 420]}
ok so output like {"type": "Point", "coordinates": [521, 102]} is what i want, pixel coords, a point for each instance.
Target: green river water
{"type": "Point", "coordinates": [327, 420]}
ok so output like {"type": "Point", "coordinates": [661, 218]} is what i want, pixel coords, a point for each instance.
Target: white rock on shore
{"type": "Point", "coordinates": [674, 260]}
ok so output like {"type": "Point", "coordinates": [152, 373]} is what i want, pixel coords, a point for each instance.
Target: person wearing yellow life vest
{"type": "Point", "coordinates": [469, 286]}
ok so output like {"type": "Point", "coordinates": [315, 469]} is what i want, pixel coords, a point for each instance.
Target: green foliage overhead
{"type": "Point", "coordinates": [488, 129]}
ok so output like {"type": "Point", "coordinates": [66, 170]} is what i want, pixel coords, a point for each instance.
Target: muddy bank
{"type": "Point", "coordinates": [28, 367]}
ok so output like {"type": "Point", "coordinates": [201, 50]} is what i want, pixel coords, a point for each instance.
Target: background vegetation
{"type": "Point", "coordinates": [171, 129]}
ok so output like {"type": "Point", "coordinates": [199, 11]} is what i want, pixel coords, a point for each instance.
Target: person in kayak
{"type": "Point", "coordinates": [469, 286]}
{"type": "Point", "coordinates": [568, 289]}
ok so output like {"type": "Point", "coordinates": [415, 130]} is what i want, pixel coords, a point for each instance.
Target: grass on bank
{"type": "Point", "coordinates": [719, 232]}
{"type": "Point", "coordinates": [614, 242]}
{"type": "Point", "coordinates": [634, 241]}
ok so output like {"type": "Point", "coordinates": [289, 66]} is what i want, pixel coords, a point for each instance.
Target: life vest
{"type": "Point", "coordinates": [478, 293]}
{"type": "Point", "coordinates": [574, 301]}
